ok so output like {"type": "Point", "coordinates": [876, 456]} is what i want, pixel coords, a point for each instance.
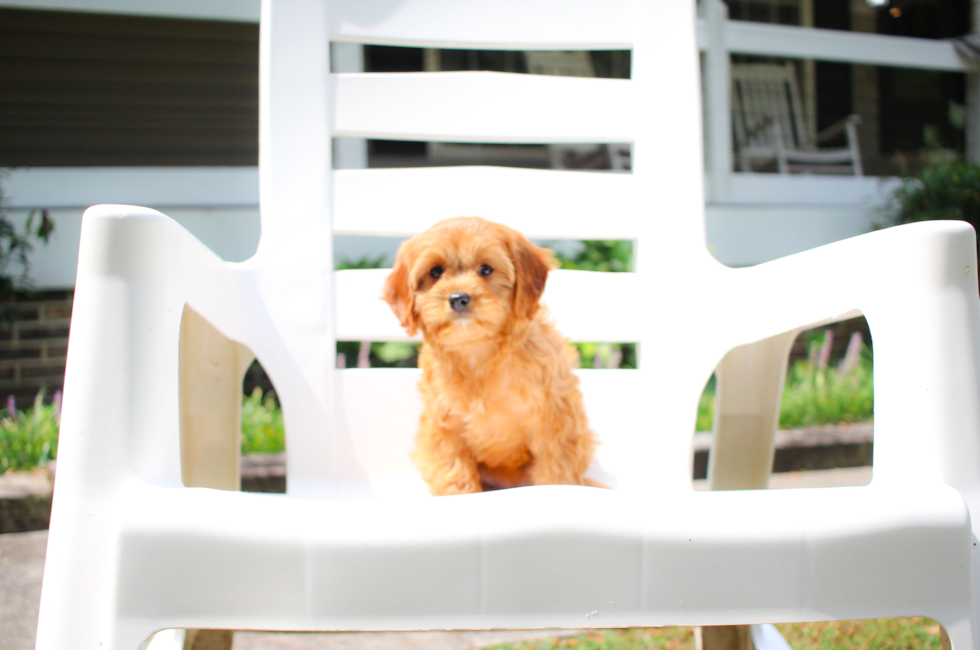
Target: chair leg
{"type": "Point", "coordinates": [958, 636]}
{"type": "Point", "coordinates": [854, 145]}
{"type": "Point", "coordinates": [208, 640]}
{"type": "Point", "coordinates": [749, 388]}
{"type": "Point", "coordinates": [748, 391]}
{"type": "Point", "coordinates": [723, 637]}
{"type": "Point", "coordinates": [211, 371]}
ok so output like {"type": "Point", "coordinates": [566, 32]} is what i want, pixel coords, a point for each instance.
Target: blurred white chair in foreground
{"type": "Point", "coordinates": [162, 330]}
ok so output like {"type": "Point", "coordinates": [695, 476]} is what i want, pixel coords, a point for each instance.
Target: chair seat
{"type": "Point", "coordinates": [551, 556]}
{"type": "Point", "coordinates": [843, 155]}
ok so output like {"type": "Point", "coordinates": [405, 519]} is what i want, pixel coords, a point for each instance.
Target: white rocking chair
{"type": "Point", "coordinates": [768, 115]}
{"type": "Point", "coordinates": [162, 329]}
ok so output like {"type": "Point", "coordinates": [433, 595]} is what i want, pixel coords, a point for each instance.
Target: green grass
{"type": "Point", "coordinates": [29, 440]}
{"type": "Point", "coordinates": [814, 397]}
{"type": "Point", "coordinates": [816, 392]}
{"type": "Point", "coordinates": [638, 638]}
{"type": "Point", "coordinates": [872, 634]}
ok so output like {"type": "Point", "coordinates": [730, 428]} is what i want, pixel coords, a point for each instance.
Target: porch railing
{"type": "Point", "coordinates": [719, 37]}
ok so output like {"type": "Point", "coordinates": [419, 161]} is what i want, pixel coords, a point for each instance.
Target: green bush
{"type": "Point", "coordinates": [29, 440]}
{"type": "Point", "coordinates": [365, 262]}
{"type": "Point", "coordinates": [262, 426]}
{"type": "Point", "coordinates": [614, 256]}
{"type": "Point", "coordinates": [606, 355]}
{"type": "Point", "coordinates": [947, 190]}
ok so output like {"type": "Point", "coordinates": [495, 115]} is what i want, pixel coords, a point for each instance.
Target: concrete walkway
{"type": "Point", "coordinates": [21, 568]}
{"type": "Point", "coordinates": [22, 565]}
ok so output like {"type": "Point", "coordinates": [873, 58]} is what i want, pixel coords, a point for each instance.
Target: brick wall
{"type": "Point", "coordinates": [34, 346]}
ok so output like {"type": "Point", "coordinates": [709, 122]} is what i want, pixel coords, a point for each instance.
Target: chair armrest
{"type": "Point", "coordinates": [838, 127]}
{"type": "Point", "coordinates": [917, 287]}
{"type": "Point", "coordinates": [136, 270]}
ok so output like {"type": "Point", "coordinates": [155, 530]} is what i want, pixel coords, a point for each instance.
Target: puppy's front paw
{"type": "Point", "coordinates": [458, 480]}
{"type": "Point", "coordinates": [463, 487]}
{"type": "Point", "coordinates": [451, 476]}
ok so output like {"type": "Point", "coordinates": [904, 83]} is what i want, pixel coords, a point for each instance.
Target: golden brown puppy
{"type": "Point", "coordinates": [501, 405]}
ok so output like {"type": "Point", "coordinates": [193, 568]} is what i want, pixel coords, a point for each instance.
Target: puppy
{"type": "Point", "coordinates": [501, 405]}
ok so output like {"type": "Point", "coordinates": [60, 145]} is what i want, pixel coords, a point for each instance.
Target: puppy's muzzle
{"type": "Point", "coordinates": [459, 301]}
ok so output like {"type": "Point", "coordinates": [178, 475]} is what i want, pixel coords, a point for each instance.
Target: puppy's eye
{"type": "Point", "coordinates": [436, 272]}
{"type": "Point", "coordinates": [485, 270]}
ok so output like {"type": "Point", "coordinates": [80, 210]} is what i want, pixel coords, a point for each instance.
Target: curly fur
{"type": "Point", "coordinates": [501, 405]}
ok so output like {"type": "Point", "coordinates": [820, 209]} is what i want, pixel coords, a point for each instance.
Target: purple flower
{"type": "Point", "coordinates": [825, 348]}
{"type": "Point", "coordinates": [853, 354]}
{"type": "Point", "coordinates": [11, 406]}
{"type": "Point", "coordinates": [57, 406]}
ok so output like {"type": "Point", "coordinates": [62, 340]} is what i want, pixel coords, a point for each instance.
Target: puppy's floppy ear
{"type": "Point", "coordinates": [398, 291]}
{"type": "Point", "coordinates": [531, 266]}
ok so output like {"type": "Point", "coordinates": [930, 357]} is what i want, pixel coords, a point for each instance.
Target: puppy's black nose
{"type": "Point", "coordinates": [459, 301]}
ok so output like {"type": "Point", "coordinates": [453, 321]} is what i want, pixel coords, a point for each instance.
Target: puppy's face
{"type": "Point", "coordinates": [465, 279]}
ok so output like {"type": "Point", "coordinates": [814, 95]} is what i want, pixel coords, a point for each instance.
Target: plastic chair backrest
{"type": "Point", "coordinates": [358, 423]}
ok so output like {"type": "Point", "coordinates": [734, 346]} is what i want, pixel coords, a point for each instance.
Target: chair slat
{"type": "Point", "coordinates": [586, 306]}
{"type": "Point", "coordinates": [496, 24]}
{"type": "Point", "coordinates": [482, 107]}
{"type": "Point", "coordinates": [385, 436]}
{"type": "Point", "coordinates": [543, 204]}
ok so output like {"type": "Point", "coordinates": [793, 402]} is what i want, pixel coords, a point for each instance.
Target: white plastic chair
{"type": "Point", "coordinates": [576, 63]}
{"type": "Point", "coordinates": [162, 329]}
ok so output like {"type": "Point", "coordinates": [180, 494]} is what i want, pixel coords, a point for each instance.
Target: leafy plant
{"type": "Point", "coordinates": [706, 407]}
{"type": "Point", "coordinates": [606, 355]}
{"type": "Point", "coordinates": [262, 424]}
{"type": "Point", "coordinates": [366, 262]}
{"type": "Point", "coordinates": [15, 248]}
{"type": "Point", "coordinates": [614, 256]}
{"type": "Point", "coordinates": [818, 394]}
{"type": "Point", "coordinates": [946, 190]}
{"type": "Point", "coordinates": [394, 352]}
{"type": "Point", "coordinates": [29, 440]}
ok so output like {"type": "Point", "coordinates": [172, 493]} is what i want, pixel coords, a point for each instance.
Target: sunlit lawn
{"type": "Point", "coordinates": [871, 634]}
